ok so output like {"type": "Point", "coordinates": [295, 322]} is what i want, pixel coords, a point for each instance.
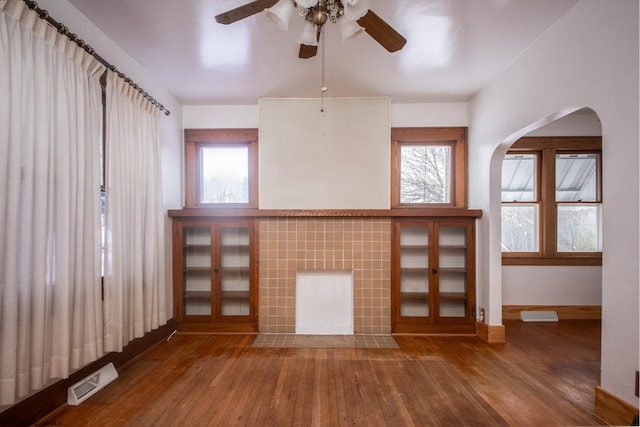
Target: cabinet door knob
{"type": "Point", "coordinates": [434, 271]}
{"type": "Point", "coordinates": [215, 270]}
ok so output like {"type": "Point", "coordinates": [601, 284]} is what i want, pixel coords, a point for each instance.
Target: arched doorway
{"type": "Point", "coordinates": [551, 219]}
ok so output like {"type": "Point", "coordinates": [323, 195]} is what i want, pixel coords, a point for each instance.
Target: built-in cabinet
{"type": "Point", "coordinates": [215, 280]}
{"type": "Point", "coordinates": [215, 267]}
{"type": "Point", "coordinates": [433, 275]}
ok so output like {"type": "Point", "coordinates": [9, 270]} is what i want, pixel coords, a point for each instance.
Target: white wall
{"type": "Point", "coordinates": [587, 58]}
{"type": "Point", "coordinates": [583, 122]}
{"type": "Point", "coordinates": [334, 158]}
{"type": "Point", "coordinates": [170, 127]}
{"type": "Point", "coordinates": [551, 285]}
{"type": "Point", "coordinates": [452, 114]}
{"type": "Point", "coordinates": [247, 116]}
{"type": "Point", "coordinates": [220, 116]}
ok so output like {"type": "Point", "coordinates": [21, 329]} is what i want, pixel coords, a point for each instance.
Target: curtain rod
{"type": "Point", "coordinates": [62, 29]}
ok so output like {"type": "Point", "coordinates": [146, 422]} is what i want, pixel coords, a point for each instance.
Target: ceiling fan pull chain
{"type": "Point", "coordinates": [323, 88]}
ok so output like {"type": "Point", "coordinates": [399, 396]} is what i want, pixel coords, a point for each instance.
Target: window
{"type": "Point", "coordinates": [552, 201]}
{"type": "Point", "coordinates": [578, 198]}
{"type": "Point", "coordinates": [428, 167]}
{"type": "Point", "coordinates": [520, 203]}
{"type": "Point", "coordinates": [221, 168]}
{"type": "Point", "coordinates": [225, 173]}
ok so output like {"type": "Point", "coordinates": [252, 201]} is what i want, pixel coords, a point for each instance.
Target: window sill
{"type": "Point", "coordinates": [595, 259]}
{"type": "Point", "coordinates": [257, 213]}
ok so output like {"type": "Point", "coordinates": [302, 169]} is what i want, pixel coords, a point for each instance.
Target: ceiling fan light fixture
{"type": "Point", "coordinates": [356, 9]}
{"type": "Point", "coordinates": [349, 29]}
{"type": "Point", "coordinates": [309, 35]}
{"type": "Point", "coordinates": [319, 16]}
{"type": "Point", "coordinates": [280, 13]}
{"type": "Point", "coordinates": [307, 4]}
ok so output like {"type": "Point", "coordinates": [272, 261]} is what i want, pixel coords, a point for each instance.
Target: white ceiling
{"type": "Point", "coordinates": [454, 48]}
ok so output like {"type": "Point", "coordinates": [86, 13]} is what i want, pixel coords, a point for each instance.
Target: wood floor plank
{"type": "Point", "coordinates": [350, 392]}
{"type": "Point", "coordinates": [543, 375]}
{"type": "Point", "coordinates": [285, 392]}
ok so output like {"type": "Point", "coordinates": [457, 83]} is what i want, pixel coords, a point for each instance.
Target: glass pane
{"type": "Point", "coordinates": [425, 174]}
{"type": "Point", "coordinates": [453, 258]}
{"type": "Point", "coordinates": [579, 228]}
{"type": "Point", "coordinates": [235, 247]}
{"type": "Point", "coordinates": [414, 236]}
{"type": "Point", "coordinates": [414, 308]}
{"type": "Point", "coordinates": [414, 282]}
{"type": "Point", "coordinates": [235, 307]}
{"type": "Point", "coordinates": [235, 281]}
{"type": "Point", "coordinates": [453, 282]}
{"type": "Point", "coordinates": [225, 175]}
{"type": "Point", "coordinates": [453, 236]}
{"type": "Point", "coordinates": [414, 273]}
{"type": "Point", "coordinates": [197, 292]}
{"type": "Point", "coordinates": [197, 270]}
{"type": "Point", "coordinates": [414, 258]}
{"type": "Point", "coordinates": [577, 177]}
{"type": "Point", "coordinates": [234, 272]}
{"type": "Point", "coordinates": [518, 178]}
{"type": "Point", "coordinates": [453, 308]}
{"type": "Point", "coordinates": [519, 228]}
{"type": "Point", "coordinates": [414, 247]}
{"type": "Point", "coordinates": [197, 307]}
{"type": "Point", "coordinates": [197, 247]}
{"type": "Point", "coordinates": [452, 277]}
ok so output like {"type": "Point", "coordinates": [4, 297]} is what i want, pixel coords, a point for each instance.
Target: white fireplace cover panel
{"type": "Point", "coordinates": [324, 302]}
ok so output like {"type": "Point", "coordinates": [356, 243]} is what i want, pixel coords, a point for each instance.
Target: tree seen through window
{"type": "Point", "coordinates": [425, 173]}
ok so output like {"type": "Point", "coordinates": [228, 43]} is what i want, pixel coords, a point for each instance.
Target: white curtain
{"type": "Point", "coordinates": [134, 272]}
{"type": "Point", "coordinates": [50, 126]}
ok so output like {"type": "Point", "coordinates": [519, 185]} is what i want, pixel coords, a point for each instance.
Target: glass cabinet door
{"type": "Point", "coordinates": [414, 271]}
{"type": "Point", "coordinates": [196, 246]}
{"type": "Point", "coordinates": [234, 271]}
{"type": "Point", "coordinates": [215, 274]}
{"type": "Point", "coordinates": [432, 271]}
{"type": "Point", "coordinates": [452, 271]}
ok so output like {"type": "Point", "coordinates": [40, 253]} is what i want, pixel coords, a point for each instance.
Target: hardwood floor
{"type": "Point", "coordinates": [544, 376]}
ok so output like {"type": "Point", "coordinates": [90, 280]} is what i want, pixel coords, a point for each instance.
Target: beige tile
{"type": "Point", "coordinates": [359, 244]}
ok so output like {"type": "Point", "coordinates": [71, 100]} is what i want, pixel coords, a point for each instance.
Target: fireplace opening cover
{"type": "Point", "coordinates": [324, 302]}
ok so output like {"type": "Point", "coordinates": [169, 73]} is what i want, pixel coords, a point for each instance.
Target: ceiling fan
{"type": "Point", "coordinates": [354, 17]}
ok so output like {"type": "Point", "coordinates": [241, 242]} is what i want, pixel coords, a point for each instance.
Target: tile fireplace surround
{"type": "Point", "coordinates": [358, 244]}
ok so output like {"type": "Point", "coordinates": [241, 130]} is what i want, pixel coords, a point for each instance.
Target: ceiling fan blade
{"type": "Point", "coordinates": [244, 11]}
{"type": "Point", "coordinates": [382, 32]}
{"type": "Point", "coordinates": [307, 51]}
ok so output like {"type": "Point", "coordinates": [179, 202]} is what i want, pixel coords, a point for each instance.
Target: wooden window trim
{"type": "Point", "coordinates": [456, 137]}
{"type": "Point", "coordinates": [547, 148]}
{"type": "Point", "coordinates": [194, 139]}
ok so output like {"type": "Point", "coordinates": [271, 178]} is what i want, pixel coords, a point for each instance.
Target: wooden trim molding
{"type": "Point", "coordinates": [492, 334]}
{"type": "Point", "coordinates": [565, 312]}
{"type": "Point", "coordinates": [265, 213]}
{"type": "Point", "coordinates": [510, 259]}
{"type": "Point", "coordinates": [229, 135]}
{"type": "Point", "coordinates": [558, 142]}
{"type": "Point", "coordinates": [456, 137]}
{"type": "Point", "coordinates": [195, 139]}
{"type": "Point", "coordinates": [40, 405]}
{"type": "Point", "coordinates": [612, 410]}
{"type": "Point", "coordinates": [545, 149]}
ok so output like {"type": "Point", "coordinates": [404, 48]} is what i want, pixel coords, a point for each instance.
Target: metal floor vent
{"type": "Point", "coordinates": [538, 316]}
{"type": "Point", "coordinates": [82, 390]}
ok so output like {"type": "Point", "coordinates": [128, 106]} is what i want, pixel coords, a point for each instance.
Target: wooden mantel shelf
{"type": "Point", "coordinates": [266, 213]}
